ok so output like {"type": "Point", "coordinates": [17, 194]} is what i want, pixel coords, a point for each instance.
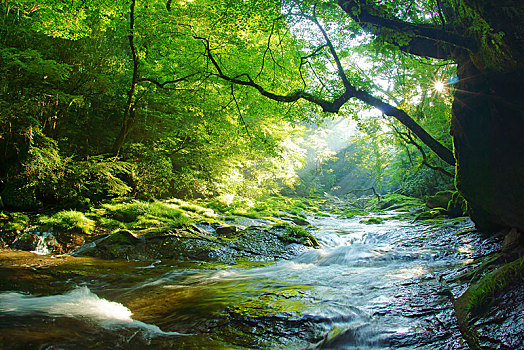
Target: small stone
{"type": "Point", "coordinates": [226, 230]}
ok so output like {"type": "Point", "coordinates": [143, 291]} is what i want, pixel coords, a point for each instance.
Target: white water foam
{"type": "Point", "coordinates": [77, 303]}
{"type": "Point", "coordinates": [41, 246]}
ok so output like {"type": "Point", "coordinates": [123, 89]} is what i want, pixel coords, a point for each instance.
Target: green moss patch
{"type": "Point", "coordinates": [373, 220]}
{"type": "Point", "coordinates": [297, 234]}
{"type": "Point", "coordinates": [68, 220]}
{"type": "Point", "coordinates": [351, 212]}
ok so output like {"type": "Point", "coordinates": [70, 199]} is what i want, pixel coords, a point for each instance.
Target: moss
{"type": "Point", "coordinates": [110, 224]}
{"type": "Point", "coordinates": [140, 214]}
{"type": "Point", "coordinates": [488, 287]}
{"type": "Point", "coordinates": [69, 220]}
{"type": "Point", "coordinates": [429, 214]}
{"type": "Point", "coordinates": [479, 296]}
{"type": "Point", "coordinates": [123, 237]}
{"type": "Point", "coordinates": [349, 213]}
{"type": "Point", "coordinates": [297, 234]}
{"type": "Point", "coordinates": [373, 220]}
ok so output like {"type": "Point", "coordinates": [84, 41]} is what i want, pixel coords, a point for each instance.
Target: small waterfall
{"type": "Point", "coordinates": [41, 243]}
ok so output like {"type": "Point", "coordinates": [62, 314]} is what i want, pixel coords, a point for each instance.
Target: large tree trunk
{"type": "Point", "coordinates": [488, 134]}
{"type": "Point", "coordinates": [486, 40]}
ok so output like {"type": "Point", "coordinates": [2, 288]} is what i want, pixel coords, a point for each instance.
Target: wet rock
{"type": "Point", "coordinates": [253, 243]}
{"type": "Point", "coordinates": [226, 230]}
{"type": "Point", "coordinates": [439, 200]}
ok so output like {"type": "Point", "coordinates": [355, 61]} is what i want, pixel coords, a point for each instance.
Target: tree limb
{"type": "Point", "coordinates": [162, 85]}
{"type": "Point", "coordinates": [334, 106]}
{"type": "Point", "coordinates": [426, 40]}
{"type": "Point", "coordinates": [129, 112]}
{"type": "Point", "coordinates": [407, 137]}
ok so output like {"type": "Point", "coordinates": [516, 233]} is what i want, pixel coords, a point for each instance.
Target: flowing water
{"type": "Point", "coordinates": [367, 287]}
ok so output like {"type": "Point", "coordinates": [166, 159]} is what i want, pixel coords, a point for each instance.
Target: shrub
{"type": "Point", "coordinates": [69, 220]}
{"type": "Point", "coordinates": [13, 221]}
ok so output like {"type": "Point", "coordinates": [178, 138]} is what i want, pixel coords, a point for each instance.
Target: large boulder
{"type": "Point", "coordinates": [228, 245]}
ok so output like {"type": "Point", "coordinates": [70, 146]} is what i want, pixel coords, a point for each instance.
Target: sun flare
{"type": "Point", "coordinates": [439, 86]}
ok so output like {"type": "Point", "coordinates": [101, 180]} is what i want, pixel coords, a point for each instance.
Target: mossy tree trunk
{"type": "Point", "coordinates": [486, 40]}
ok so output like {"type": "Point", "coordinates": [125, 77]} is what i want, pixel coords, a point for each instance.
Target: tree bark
{"type": "Point", "coordinates": [129, 111]}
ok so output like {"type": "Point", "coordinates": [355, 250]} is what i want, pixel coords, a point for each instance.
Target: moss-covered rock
{"type": "Point", "coordinates": [297, 234]}
{"type": "Point", "coordinates": [395, 201]}
{"type": "Point", "coordinates": [452, 203]}
{"type": "Point", "coordinates": [354, 211]}
{"type": "Point", "coordinates": [481, 294]}
{"type": "Point", "coordinates": [372, 220]}
{"type": "Point", "coordinates": [439, 199]}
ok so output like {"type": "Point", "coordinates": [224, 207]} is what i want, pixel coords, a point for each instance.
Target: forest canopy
{"type": "Point", "coordinates": [220, 97]}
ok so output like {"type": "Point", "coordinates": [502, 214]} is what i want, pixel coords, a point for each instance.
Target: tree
{"type": "Point", "coordinates": [485, 41]}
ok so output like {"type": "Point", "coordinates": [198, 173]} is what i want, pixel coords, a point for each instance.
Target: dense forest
{"type": "Point", "coordinates": [119, 118]}
{"type": "Point", "coordinates": [135, 99]}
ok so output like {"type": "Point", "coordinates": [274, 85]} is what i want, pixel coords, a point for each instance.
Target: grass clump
{"type": "Point", "coordinates": [13, 221]}
{"type": "Point", "coordinates": [69, 220]}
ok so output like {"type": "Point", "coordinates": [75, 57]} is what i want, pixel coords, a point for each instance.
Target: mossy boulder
{"type": "Point", "coordinates": [429, 214]}
{"type": "Point", "coordinates": [122, 237]}
{"type": "Point", "coordinates": [439, 199]}
{"type": "Point", "coordinates": [372, 220]}
{"type": "Point", "coordinates": [395, 201]}
{"type": "Point", "coordinates": [297, 234]}
{"type": "Point", "coordinates": [451, 203]}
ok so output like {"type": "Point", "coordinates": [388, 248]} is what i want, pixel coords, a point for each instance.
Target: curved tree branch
{"type": "Point", "coordinates": [425, 39]}
{"type": "Point", "coordinates": [334, 106]}
{"type": "Point", "coordinates": [407, 137]}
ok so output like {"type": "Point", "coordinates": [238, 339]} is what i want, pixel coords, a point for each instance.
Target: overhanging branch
{"type": "Point", "coordinates": [425, 39]}
{"type": "Point", "coordinates": [334, 106]}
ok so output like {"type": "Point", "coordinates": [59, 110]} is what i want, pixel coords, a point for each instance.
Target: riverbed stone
{"type": "Point", "coordinates": [253, 243]}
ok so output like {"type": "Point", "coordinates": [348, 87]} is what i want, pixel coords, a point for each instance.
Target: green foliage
{"type": "Point", "coordinates": [13, 221]}
{"type": "Point", "coordinates": [69, 220]}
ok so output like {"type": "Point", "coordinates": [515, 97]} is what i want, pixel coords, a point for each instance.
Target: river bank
{"type": "Point", "coordinates": [390, 282]}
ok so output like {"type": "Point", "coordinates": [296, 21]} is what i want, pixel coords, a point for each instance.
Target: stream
{"type": "Point", "coordinates": [369, 286]}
